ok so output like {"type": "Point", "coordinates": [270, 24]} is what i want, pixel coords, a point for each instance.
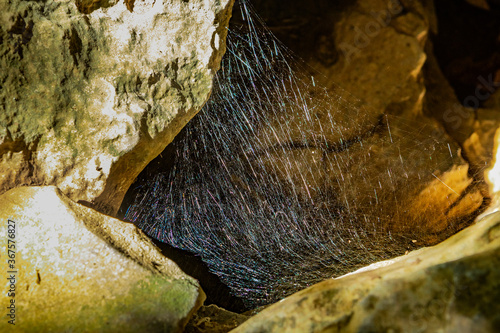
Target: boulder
{"type": "Point", "coordinates": [451, 287]}
{"type": "Point", "coordinates": [91, 91]}
{"type": "Point", "coordinates": [74, 269]}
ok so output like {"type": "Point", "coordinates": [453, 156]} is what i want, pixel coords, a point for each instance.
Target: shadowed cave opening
{"type": "Point", "coordinates": [468, 62]}
{"type": "Point", "coordinates": [279, 183]}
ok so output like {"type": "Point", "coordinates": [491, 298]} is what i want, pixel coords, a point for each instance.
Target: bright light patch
{"type": "Point", "coordinates": [493, 174]}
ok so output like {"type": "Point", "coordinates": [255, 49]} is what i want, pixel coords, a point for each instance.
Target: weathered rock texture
{"type": "Point", "coordinates": [212, 319]}
{"type": "Point", "coordinates": [463, 77]}
{"type": "Point", "coordinates": [377, 53]}
{"type": "Point", "coordinates": [91, 91]}
{"type": "Point", "coordinates": [451, 287]}
{"type": "Point", "coordinates": [71, 277]}
{"type": "Point", "coordinates": [373, 49]}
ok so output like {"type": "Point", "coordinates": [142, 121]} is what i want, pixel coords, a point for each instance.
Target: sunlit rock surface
{"type": "Point", "coordinates": [451, 287]}
{"type": "Point", "coordinates": [493, 175]}
{"type": "Point", "coordinates": [81, 271]}
{"type": "Point", "coordinates": [341, 183]}
{"type": "Point", "coordinates": [91, 91]}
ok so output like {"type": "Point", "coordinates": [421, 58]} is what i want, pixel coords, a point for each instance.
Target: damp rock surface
{"type": "Point", "coordinates": [451, 287]}
{"type": "Point", "coordinates": [79, 270]}
{"type": "Point", "coordinates": [91, 91]}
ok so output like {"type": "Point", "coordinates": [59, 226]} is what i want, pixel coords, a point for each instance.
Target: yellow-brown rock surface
{"type": "Point", "coordinates": [71, 268]}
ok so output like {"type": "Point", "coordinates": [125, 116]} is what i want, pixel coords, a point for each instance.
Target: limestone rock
{"type": "Point", "coordinates": [451, 287]}
{"type": "Point", "coordinates": [375, 30]}
{"type": "Point", "coordinates": [373, 50]}
{"type": "Point", "coordinates": [69, 275]}
{"type": "Point", "coordinates": [416, 169]}
{"type": "Point", "coordinates": [368, 53]}
{"type": "Point", "coordinates": [91, 91]}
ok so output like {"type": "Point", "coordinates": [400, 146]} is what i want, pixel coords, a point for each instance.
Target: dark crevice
{"type": "Point", "coordinates": [304, 26]}
{"type": "Point", "coordinates": [21, 32]}
{"type": "Point", "coordinates": [154, 78]}
{"type": "Point", "coordinates": [462, 55]}
{"type": "Point", "coordinates": [217, 292]}
{"type": "Point", "coordinates": [130, 5]}
{"type": "Point", "coordinates": [325, 146]}
{"type": "Point", "coordinates": [75, 45]}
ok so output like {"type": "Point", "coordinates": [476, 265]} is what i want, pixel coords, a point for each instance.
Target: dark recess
{"type": "Point", "coordinates": [467, 45]}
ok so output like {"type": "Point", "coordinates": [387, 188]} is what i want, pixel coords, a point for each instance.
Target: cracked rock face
{"type": "Point", "coordinates": [75, 269]}
{"type": "Point", "coordinates": [91, 91]}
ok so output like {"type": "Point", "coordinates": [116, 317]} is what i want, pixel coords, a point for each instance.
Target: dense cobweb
{"type": "Point", "coordinates": [242, 190]}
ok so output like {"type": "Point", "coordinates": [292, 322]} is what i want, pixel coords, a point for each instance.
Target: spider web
{"type": "Point", "coordinates": [245, 186]}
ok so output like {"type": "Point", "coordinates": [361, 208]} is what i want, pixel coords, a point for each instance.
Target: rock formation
{"type": "Point", "coordinates": [452, 286]}
{"type": "Point", "coordinates": [345, 182]}
{"type": "Point", "coordinates": [74, 269]}
{"type": "Point", "coordinates": [91, 91]}
{"type": "Point", "coordinates": [375, 50]}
